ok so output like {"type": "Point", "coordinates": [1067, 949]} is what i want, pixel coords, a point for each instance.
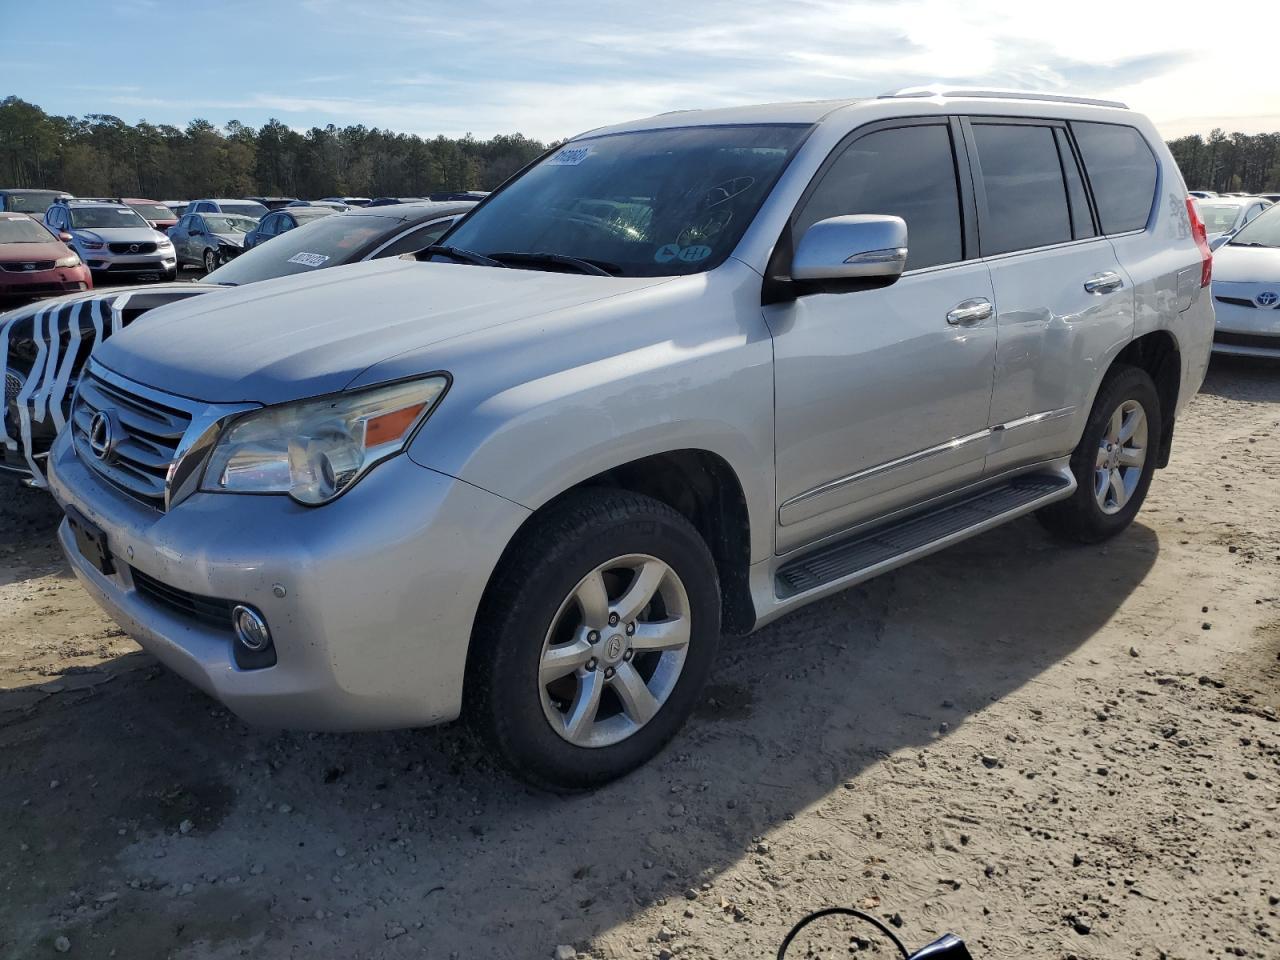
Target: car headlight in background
{"type": "Point", "coordinates": [313, 450]}
{"type": "Point", "coordinates": [71, 261]}
{"type": "Point", "coordinates": [91, 244]}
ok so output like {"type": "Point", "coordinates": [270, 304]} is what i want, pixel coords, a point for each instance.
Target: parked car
{"type": "Point", "coordinates": [244, 208]}
{"type": "Point", "coordinates": [159, 216]}
{"type": "Point", "coordinates": [320, 203]}
{"type": "Point", "coordinates": [35, 202]}
{"type": "Point", "coordinates": [1270, 197]}
{"type": "Point", "coordinates": [34, 262]}
{"type": "Point", "coordinates": [1201, 194]}
{"type": "Point", "coordinates": [112, 238]}
{"type": "Point", "coordinates": [283, 220]}
{"type": "Point", "coordinates": [273, 203]}
{"type": "Point", "coordinates": [346, 201]}
{"type": "Point", "coordinates": [1225, 215]}
{"type": "Point", "coordinates": [96, 316]}
{"type": "Point", "coordinates": [682, 375]}
{"type": "Point", "coordinates": [179, 207]}
{"type": "Point", "coordinates": [391, 201]}
{"type": "Point", "coordinates": [209, 240]}
{"type": "Point", "coordinates": [476, 195]}
{"type": "Point", "coordinates": [1246, 290]}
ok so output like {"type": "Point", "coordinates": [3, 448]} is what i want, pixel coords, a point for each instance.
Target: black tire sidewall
{"type": "Point", "coordinates": [545, 572]}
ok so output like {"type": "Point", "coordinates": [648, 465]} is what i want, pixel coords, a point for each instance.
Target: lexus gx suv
{"type": "Point", "coordinates": [673, 380]}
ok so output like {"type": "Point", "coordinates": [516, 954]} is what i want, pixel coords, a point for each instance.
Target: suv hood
{"type": "Point", "coordinates": [312, 334]}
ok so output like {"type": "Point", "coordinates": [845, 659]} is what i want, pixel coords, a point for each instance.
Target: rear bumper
{"type": "Point", "coordinates": [380, 589]}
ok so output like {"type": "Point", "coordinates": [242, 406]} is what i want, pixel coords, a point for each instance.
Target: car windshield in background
{"type": "Point", "coordinates": [1264, 231]}
{"type": "Point", "coordinates": [643, 204]}
{"type": "Point", "coordinates": [1218, 216]}
{"type": "Point", "coordinates": [99, 218]}
{"type": "Point", "coordinates": [153, 211]}
{"type": "Point", "coordinates": [325, 242]}
{"type": "Point", "coordinates": [255, 210]}
{"type": "Point", "coordinates": [30, 202]}
{"type": "Point", "coordinates": [23, 231]}
{"type": "Point", "coordinates": [233, 223]}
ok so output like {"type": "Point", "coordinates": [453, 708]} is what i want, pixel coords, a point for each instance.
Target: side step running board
{"type": "Point", "coordinates": [865, 555]}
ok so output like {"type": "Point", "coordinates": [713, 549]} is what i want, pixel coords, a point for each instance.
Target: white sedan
{"type": "Point", "coordinates": [1223, 216]}
{"type": "Point", "coordinates": [1246, 290]}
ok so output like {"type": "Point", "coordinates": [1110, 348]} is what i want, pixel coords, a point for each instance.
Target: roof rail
{"type": "Point", "coordinates": [977, 93]}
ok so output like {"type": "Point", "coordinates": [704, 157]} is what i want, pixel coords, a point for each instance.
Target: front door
{"type": "Point", "coordinates": [882, 396]}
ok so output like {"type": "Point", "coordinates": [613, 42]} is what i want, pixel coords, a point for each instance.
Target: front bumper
{"type": "Point", "coordinates": [381, 589]}
{"type": "Point", "coordinates": [40, 283]}
{"type": "Point", "coordinates": [1244, 329]}
{"type": "Point", "coordinates": [104, 261]}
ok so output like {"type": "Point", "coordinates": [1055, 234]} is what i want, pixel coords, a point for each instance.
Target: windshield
{"type": "Point", "coordinates": [153, 211]}
{"type": "Point", "coordinates": [245, 209]}
{"type": "Point", "coordinates": [96, 218]}
{"type": "Point", "coordinates": [1262, 231]}
{"type": "Point", "coordinates": [1219, 217]}
{"type": "Point", "coordinates": [326, 242]}
{"type": "Point", "coordinates": [653, 203]}
{"type": "Point", "coordinates": [232, 223]}
{"type": "Point", "coordinates": [15, 230]}
{"type": "Point", "coordinates": [36, 201]}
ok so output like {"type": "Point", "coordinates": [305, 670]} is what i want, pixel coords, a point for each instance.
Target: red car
{"type": "Point", "coordinates": [34, 263]}
{"type": "Point", "coordinates": [153, 211]}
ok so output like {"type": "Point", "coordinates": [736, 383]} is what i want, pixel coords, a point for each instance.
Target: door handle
{"type": "Point", "coordinates": [1104, 282]}
{"type": "Point", "coordinates": [968, 312]}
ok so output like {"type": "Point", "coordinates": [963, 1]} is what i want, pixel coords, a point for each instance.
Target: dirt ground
{"type": "Point", "coordinates": [1053, 752]}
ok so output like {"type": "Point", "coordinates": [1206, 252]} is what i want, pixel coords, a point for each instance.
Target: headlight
{"type": "Point", "coordinates": [313, 450]}
{"type": "Point", "coordinates": [166, 242]}
{"type": "Point", "coordinates": [91, 244]}
{"type": "Point", "coordinates": [71, 261]}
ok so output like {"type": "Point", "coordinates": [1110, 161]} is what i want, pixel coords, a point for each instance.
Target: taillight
{"type": "Point", "coordinates": [1201, 236]}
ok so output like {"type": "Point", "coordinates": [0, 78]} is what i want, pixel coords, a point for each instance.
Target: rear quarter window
{"type": "Point", "coordinates": [1122, 172]}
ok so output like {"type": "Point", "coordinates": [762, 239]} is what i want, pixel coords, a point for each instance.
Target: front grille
{"type": "Point", "coordinates": [210, 611]}
{"type": "Point", "coordinates": [1237, 301]}
{"type": "Point", "coordinates": [1263, 340]}
{"type": "Point", "coordinates": [27, 266]}
{"type": "Point", "coordinates": [131, 247]}
{"type": "Point", "coordinates": [147, 436]}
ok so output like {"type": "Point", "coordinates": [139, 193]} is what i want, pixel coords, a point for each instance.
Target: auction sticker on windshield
{"type": "Point", "coordinates": [569, 157]}
{"type": "Point", "coordinates": [309, 259]}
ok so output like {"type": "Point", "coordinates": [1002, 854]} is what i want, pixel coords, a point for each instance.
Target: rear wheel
{"type": "Point", "coordinates": [597, 634]}
{"type": "Point", "coordinates": [1114, 461]}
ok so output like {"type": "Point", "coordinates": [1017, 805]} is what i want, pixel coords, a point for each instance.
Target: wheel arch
{"type": "Point", "coordinates": [1158, 354]}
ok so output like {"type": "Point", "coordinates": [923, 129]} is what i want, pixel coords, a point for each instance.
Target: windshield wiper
{"type": "Point", "coordinates": [1250, 243]}
{"type": "Point", "coordinates": [597, 268]}
{"type": "Point", "coordinates": [456, 253]}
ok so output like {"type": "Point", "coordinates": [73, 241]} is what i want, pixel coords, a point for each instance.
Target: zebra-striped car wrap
{"type": "Point", "coordinates": [47, 386]}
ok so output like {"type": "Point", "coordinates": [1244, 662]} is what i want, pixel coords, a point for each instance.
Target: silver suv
{"type": "Point", "coordinates": [677, 378]}
{"type": "Point", "coordinates": [112, 238]}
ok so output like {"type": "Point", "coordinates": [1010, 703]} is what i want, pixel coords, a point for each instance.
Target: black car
{"type": "Point", "coordinates": [391, 201]}
{"type": "Point", "coordinates": [282, 221]}
{"type": "Point", "coordinates": [273, 203]}
{"type": "Point", "coordinates": [361, 233]}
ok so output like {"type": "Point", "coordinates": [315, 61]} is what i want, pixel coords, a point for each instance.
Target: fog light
{"type": "Point", "coordinates": [251, 629]}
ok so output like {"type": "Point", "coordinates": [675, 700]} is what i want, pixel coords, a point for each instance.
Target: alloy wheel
{"type": "Point", "coordinates": [615, 651]}
{"type": "Point", "coordinates": [1122, 453]}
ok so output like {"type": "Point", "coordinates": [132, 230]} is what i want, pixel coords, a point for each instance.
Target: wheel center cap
{"type": "Point", "coordinates": [614, 648]}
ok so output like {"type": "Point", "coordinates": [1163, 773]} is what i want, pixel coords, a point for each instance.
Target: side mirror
{"type": "Point", "coordinates": [64, 236]}
{"type": "Point", "coordinates": [852, 252]}
{"type": "Point", "coordinates": [1220, 241]}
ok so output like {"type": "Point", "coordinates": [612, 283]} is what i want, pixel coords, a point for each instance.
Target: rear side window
{"type": "Point", "coordinates": [906, 172]}
{"type": "Point", "coordinates": [1026, 194]}
{"type": "Point", "coordinates": [1122, 172]}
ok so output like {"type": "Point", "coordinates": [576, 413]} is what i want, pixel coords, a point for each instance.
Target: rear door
{"type": "Point", "coordinates": [1064, 304]}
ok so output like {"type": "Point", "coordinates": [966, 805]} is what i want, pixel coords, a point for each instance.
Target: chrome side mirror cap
{"type": "Point", "coordinates": [842, 251]}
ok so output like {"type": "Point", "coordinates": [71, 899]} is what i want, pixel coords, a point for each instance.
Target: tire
{"type": "Point", "coordinates": [1111, 483]}
{"type": "Point", "coordinates": [210, 261]}
{"type": "Point", "coordinates": [538, 615]}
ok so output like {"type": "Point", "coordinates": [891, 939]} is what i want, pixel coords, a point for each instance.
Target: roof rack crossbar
{"type": "Point", "coordinates": [976, 93]}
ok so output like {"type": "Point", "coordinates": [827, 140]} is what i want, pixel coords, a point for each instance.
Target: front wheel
{"type": "Point", "coordinates": [1114, 461]}
{"type": "Point", "coordinates": [597, 634]}
{"type": "Point", "coordinates": [210, 261]}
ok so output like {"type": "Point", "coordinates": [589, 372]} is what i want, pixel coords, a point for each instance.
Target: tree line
{"type": "Point", "coordinates": [101, 155]}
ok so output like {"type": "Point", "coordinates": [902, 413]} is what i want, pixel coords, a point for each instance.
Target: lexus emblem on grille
{"type": "Point", "coordinates": [1267, 298]}
{"type": "Point", "coordinates": [102, 435]}
{"type": "Point", "coordinates": [133, 248]}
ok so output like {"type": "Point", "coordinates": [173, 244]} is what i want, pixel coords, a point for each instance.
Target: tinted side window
{"type": "Point", "coordinates": [422, 237]}
{"type": "Point", "coordinates": [1026, 195]}
{"type": "Point", "coordinates": [1122, 172]}
{"type": "Point", "coordinates": [906, 172]}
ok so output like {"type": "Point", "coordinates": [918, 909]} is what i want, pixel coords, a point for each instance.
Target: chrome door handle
{"type": "Point", "coordinates": [968, 312]}
{"type": "Point", "coordinates": [1104, 282]}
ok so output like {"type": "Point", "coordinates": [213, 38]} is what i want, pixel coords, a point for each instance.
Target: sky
{"type": "Point", "coordinates": [551, 69]}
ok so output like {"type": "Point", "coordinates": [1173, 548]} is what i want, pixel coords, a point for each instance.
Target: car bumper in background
{"type": "Point", "coordinates": [40, 283]}
{"type": "Point", "coordinates": [370, 599]}
{"type": "Point", "coordinates": [141, 264]}
{"type": "Point", "coordinates": [1240, 330]}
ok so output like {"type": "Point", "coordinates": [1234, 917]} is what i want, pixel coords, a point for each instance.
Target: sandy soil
{"type": "Point", "coordinates": [1050, 751]}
